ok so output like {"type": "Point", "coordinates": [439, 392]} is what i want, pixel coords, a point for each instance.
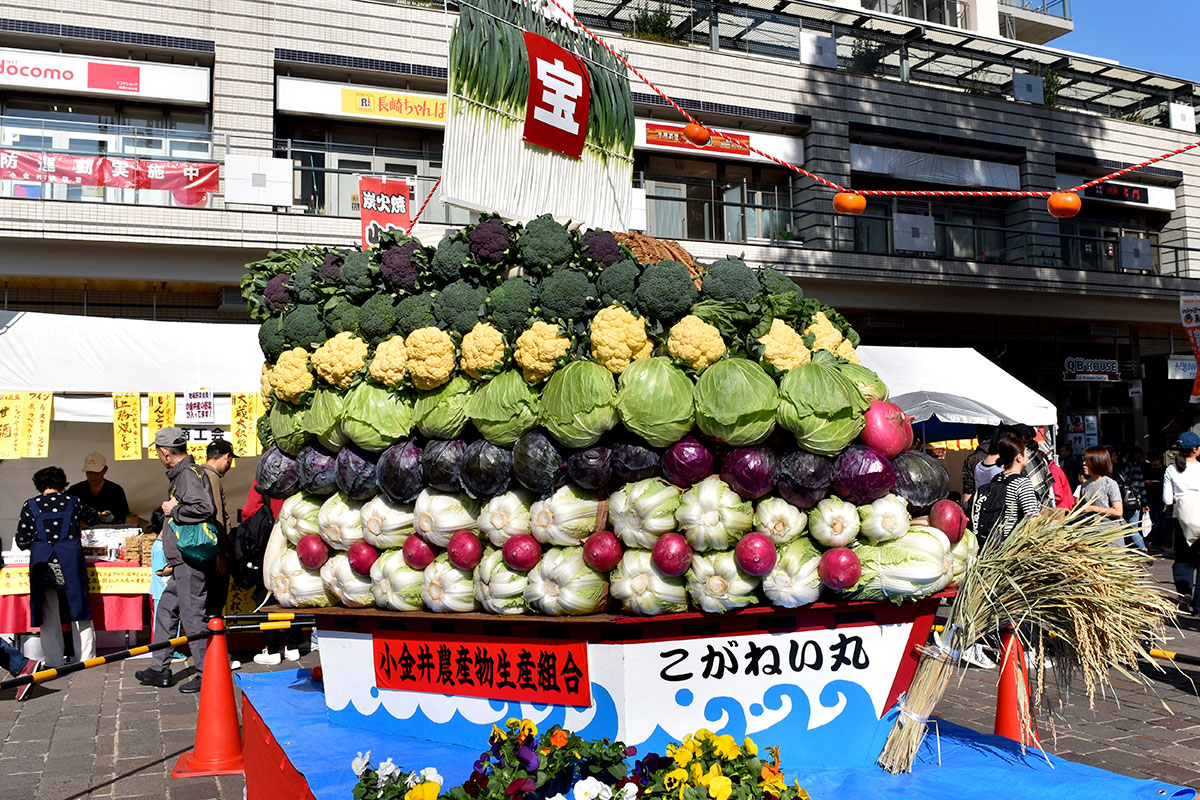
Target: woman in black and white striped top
{"type": "Point", "coordinates": [1020, 500]}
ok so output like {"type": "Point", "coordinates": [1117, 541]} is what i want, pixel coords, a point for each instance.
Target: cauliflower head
{"type": "Point", "coordinates": [290, 378]}
{"type": "Point", "coordinates": [264, 386]}
{"type": "Point", "coordinates": [540, 349]}
{"type": "Point", "coordinates": [825, 335]}
{"type": "Point", "coordinates": [483, 351]}
{"type": "Point", "coordinates": [387, 367]}
{"type": "Point", "coordinates": [695, 342]}
{"type": "Point", "coordinates": [846, 350]}
{"type": "Point", "coordinates": [340, 359]}
{"type": "Point", "coordinates": [619, 337]}
{"type": "Point", "coordinates": [783, 348]}
{"type": "Point", "coordinates": [430, 357]}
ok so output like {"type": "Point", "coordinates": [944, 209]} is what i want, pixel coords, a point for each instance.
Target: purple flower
{"type": "Point", "coordinates": [521, 786]}
{"type": "Point", "coordinates": [496, 750]}
{"type": "Point", "coordinates": [528, 757]}
{"type": "Point", "coordinates": [630, 752]}
{"type": "Point", "coordinates": [480, 766]}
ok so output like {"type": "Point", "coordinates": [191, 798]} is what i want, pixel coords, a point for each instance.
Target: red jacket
{"type": "Point", "coordinates": [1063, 498]}
{"type": "Point", "coordinates": [254, 503]}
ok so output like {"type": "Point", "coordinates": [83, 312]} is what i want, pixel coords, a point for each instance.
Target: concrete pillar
{"type": "Point", "coordinates": [826, 153]}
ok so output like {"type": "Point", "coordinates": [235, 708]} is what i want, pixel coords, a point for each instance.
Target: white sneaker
{"type": "Point", "coordinates": [267, 658]}
{"type": "Point", "coordinates": [290, 655]}
{"type": "Point", "coordinates": [976, 656]}
{"type": "Point", "coordinates": [235, 664]}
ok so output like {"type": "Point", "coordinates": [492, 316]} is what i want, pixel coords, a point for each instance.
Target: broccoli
{"type": "Point", "coordinates": [399, 267]}
{"type": "Point", "coordinates": [447, 264]}
{"type": "Point", "coordinates": [730, 280]}
{"type": "Point", "coordinates": [377, 317]}
{"type": "Point", "coordinates": [265, 437]}
{"type": "Point", "coordinates": [567, 294]}
{"type": "Point", "coordinates": [489, 241]}
{"type": "Point", "coordinates": [544, 243]}
{"type": "Point", "coordinates": [304, 282]}
{"type": "Point", "coordinates": [277, 292]}
{"type": "Point", "coordinates": [341, 314]}
{"type": "Point", "coordinates": [511, 304]}
{"type": "Point", "coordinates": [357, 275]}
{"type": "Point", "coordinates": [415, 311]}
{"type": "Point", "coordinates": [302, 326]}
{"type": "Point", "coordinates": [331, 266]}
{"type": "Point", "coordinates": [601, 249]}
{"type": "Point", "coordinates": [666, 291]}
{"type": "Point", "coordinates": [459, 306]}
{"type": "Point", "coordinates": [775, 282]}
{"type": "Point", "coordinates": [618, 283]}
{"type": "Point", "coordinates": [271, 339]}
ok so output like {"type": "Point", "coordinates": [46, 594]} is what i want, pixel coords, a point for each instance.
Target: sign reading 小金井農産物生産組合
{"type": "Point", "coordinates": [383, 205]}
{"type": "Point", "coordinates": [199, 407]}
{"type": "Point", "coordinates": [1189, 313]}
{"type": "Point", "coordinates": [127, 426]}
{"type": "Point", "coordinates": [35, 425]}
{"type": "Point", "coordinates": [528, 671]}
{"type": "Point", "coordinates": [559, 97]}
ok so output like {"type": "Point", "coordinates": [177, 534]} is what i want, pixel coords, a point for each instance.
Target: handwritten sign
{"type": "Point", "coordinates": [160, 413]}
{"type": "Point", "coordinates": [102, 579]}
{"type": "Point", "coordinates": [532, 670]}
{"type": "Point", "coordinates": [198, 451]}
{"type": "Point", "coordinates": [245, 423]}
{"type": "Point", "coordinates": [35, 425]}
{"type": "Point", "coordinates": [127, 426]}
{"type": "Point", "coordinates": [199, 408]}
{"type": "Point", "coordinates": [12, 404]}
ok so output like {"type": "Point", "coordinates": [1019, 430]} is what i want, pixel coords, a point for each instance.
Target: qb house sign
{"type": "Point", "coordinates": [1100, 370]}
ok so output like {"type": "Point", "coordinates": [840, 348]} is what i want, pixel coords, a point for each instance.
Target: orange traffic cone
{"type": "Point", "coordinates": [1009, 723]}
{"type": "Point", "coordinates": [218, 748]}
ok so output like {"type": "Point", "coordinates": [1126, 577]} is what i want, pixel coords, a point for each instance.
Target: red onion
{"type": "Point", "coordinates": [602, 550]}
{"type": "Point", "coordinates": [839, 568]}
{"type": "Point", "coordinates": [888, 429]}
{"type": "Point", "coordinates": [672, 555]}
{"type": "Point", "coordinates": [464, 550]}
{"type": "Point", "coordinates": [522, 552]}
{"type": "Point", "coordinates": [417, 552]}
{"type": "Point", "coordinates": [312, 551]}
{"type": "Point", "coordinates": [755, 553]}
{"type": "Point", "coordinates": [362, 556]}
{"type": "Point", "coordinates": [948, 517]}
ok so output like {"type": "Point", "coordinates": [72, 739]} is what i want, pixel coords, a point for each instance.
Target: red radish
{"type": "Point", "coordinates": [464, 550]}
{"type": "Point", "coordinates": [312, 551]}
{"type": "Point", "coordinates": [417, 552]}
{"type": "Point", "coordinates": [672, 555]}
{"type": "Point", "coordinates": [839, 568]}
{"type": "Point", "coordinates": [362, 556]}
{"type": "Point", "coordinates": [318, 674]}
{"type": "Point", "coordinates": [948, 517]}
{"type": "Point", "coordinates": [888, 429]}
{"type": "Point", "coordinates": [602, 550]}
{"type": "Point", "coordinates": [755, 553]}
{"type": "Point", "coordinates": [522, 552]}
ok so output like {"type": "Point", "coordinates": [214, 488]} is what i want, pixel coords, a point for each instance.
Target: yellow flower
{"type": "Point", "coordinates": [427, 790]}
{"type": "Point", "coordinates": [697, 772]}
{"type": "Point", "coordinates": [704, 734]}
{"type": "Point", "coordinates": [726, 747]}
{"type": "Point", "coordinates": [528, 728]}
{"type": "Point", "coordinates": [512, 723]}
{"type": "Point", "coordinates": [705, 778]}
{"type": "Point", "coordinates": [497, 735]}
{"type": "Point", "coordinates": [720, 787]}
{"type": "Point", "coordinates": [750, 747]}
{"type": "Point", "coordinates": [682, 754]}
{"type": "Point", "coordinates": [676, 779]}
{"type": "Point", "coordinates": [772, 781]}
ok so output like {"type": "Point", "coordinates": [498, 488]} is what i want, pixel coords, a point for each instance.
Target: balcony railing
{"type": "Point", "coordinates": [1053, 8]}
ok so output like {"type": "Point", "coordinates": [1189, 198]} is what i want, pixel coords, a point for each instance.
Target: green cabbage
{"type": "Point", "coordinates": [504, 408]}
{"type": "Point", "coordinates": [442, 413]}
{"type": "Point", "coordinates": [579, 404]}
{"type": "Point", "coordinates": [736, 402]}
{"type": "Point", "coordinates": [287, 427]}
{"type": "Point", "coordinates": [324, 419]}
{"type": "Point", "coordinates": [870, 385]}
{"type": "Point", "coordinates": [655, 401]}
{"type": "Point", "coordinates": [821, 406]}
{"type": "Point", "coordinates": [374, 418]}
{"type": "Point", "coordinates": [917, 564]}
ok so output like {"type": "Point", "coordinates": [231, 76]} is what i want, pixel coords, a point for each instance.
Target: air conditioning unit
{"type": "Point", "coordinates": [229, 300]}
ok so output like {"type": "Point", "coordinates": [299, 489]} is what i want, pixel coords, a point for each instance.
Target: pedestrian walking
{"type": "Point", "coordinates": [1132, 483]}
{"type": "Point", "coordinates": [15, 661]}
{"type": "Point", "coordinates": [983, 440]}
{"type": "Point", "coordinates": [1009, 497]}
{"type": "Point", "coordinates": [1100, 494]}
{"type": "Point", "coordinates": [1037, 466]}
{"type": "Point", "coordinates": [218, 461]}
{"type": "Point", "coordinates": [1181, 496]}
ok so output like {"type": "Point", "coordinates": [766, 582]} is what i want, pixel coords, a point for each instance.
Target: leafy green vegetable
{"type": "Point", "coordinates": [442, 413]}
{"type": "Point", "coordinates": [736, 402]}
{"type": "Point", "coordinates": [655, 401]}
{"type": "Point", "coordinates": [579, 404]}
{"type": "Point", "coordinates": [821, 406]}
{"type": "Point", "coordinates": [374, 418]}
{"type": "Point", "coordinates": [324, 419]}
{"type": "Point", "coordinates": [504, 408]}
{"type": "Point", "coordinates": [287, 427]}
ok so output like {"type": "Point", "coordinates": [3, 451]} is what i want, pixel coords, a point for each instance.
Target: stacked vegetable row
{"type": "Point", "coordinates": [590, 430]}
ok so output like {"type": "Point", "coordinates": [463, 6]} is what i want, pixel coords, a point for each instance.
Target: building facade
{"type": "Point", "coordinates": [114, 113]}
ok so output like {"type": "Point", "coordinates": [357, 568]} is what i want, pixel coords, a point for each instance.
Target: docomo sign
{"type": "Point", "coordinates": [556, 116]}
{"type": "Point", "coordinates": [83, 75]}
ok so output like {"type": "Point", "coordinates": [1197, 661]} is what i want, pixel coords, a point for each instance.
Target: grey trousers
{"type": "Point", "coordinates": [182, 602]}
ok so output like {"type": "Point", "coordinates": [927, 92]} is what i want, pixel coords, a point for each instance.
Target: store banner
{"type": "Point", "coordinates": [68, 73]}
{"type": "Point", "coordinates": [1181, 368]}
{"type": "Point", "coordinates": [160, 413]}
{"type": "Point", "coordinates": [672, 136]}
{"type": "Point", "coordinates": [189, 181]}
{"type": "Point", "coordinates": [12, 406]}
{"type": "Point", "coordinates": [1189, 312]}
{"type": "Point", "coordinates": [556, 115]}
{"type": "Point", "coordinates": [127, 426]}
{"type": "Point", "coordinates": [35, 425]}
{"type": "Point", "coordinates": [383, 205]}
{"type": "Point", "coordinates": [245, 423]}
{"type": "Point", "coordinates": [393, 105]}
{"type": "Point", "coordinates": [102, 579]}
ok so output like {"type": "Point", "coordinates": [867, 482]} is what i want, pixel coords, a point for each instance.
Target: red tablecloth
{"type": "Point", "coordinates": [110, 612]}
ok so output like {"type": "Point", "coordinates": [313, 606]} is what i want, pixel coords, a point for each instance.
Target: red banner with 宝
{"type": "Point", "coordinates": [383, 205]}
{"type": "Point", "coordinates": [189, 181]}
{"type": "Point", "coordinates": [525, 670]}
{"type": "Point", "coordinates": [556, 115]}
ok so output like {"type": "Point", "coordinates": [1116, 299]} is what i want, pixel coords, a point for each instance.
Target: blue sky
{"type": "Point", "coordinates": [1159, 35]}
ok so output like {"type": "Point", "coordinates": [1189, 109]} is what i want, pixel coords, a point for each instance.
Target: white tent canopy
{"type": "Point", "coordinates": [956, 385]}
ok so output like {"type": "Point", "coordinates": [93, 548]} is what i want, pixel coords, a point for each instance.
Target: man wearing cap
{"type": "Point", "coordinates": [219, 459]}
{"type": "Point", "coordinates": [183, 601]}
{"type": "Point", "coordinates": [106, 497]}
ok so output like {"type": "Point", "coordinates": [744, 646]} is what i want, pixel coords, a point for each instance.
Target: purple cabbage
{"type": "Point", "coordinates": [441, 463]}
{"type": "Point", "coordinates": [318, 470]}
{"type": "Point", "coordinates": [356, 473]}
{"type": "Point", "coordinates": [399, 472]}
{"type": "Point", "coordinates": [487, 470]}
{"type": "Point", "coordinates": [750, 471]}
{"type": "Point", "coordinates": [632, 462]}
{"type": "Point", "coordinates": [804, 478]}
{"type": "Point", "coordinates": [862, 475]}
{"type": "Point", "coordinates": [537, 464]}
{"type": "Point", "coordinates": [590, 469]}
{"type": "Point", "coordinates": [277, 474]}
{"type": "Point", "coordinates": [920, 479]}
{"type": "Point", "coordinates": [687, 462]}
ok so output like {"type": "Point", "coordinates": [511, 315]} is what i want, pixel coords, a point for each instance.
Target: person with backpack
{"type": "Point", "coordinates": [250, 543]}
{"type": "Point", "coordinates": [1132, 483]}
{"type": "Point", "coordinates": [1009, 497]}
{"type": "Point", "coordinates": [1181, 497]}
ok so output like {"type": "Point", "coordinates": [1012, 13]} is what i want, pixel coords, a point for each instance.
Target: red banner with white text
{"type": "Point", "coordinates": [384, 204]}
{"type": "Point", "coordinates": [1189, 313]}
{"type": "Point", "coordinates": [556, 116]}
{"type": "Point", "coordinates": [189, 181]}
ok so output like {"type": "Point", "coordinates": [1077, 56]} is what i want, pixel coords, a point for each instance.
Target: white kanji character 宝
{"type": "Point", "coordinates": [368, 201]}
{"type": "Point", "coordinates": [560, 89]}
{"type": "Point", "coordinates": [156, 170]}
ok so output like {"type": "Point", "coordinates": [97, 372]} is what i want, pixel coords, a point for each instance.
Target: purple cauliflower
{"type": "Point", "coordinates": [331, 267]}
{"type": "Point", "coordinates": [489, 241]}
{"type": "Point", "coordinates": [398, 269]}
{"type": "Point", "coordinates": [278, 292]}
{"type": "Point", "coordinates": [602, 248]}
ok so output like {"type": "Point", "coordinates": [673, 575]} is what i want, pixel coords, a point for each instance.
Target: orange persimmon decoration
{"type": "Point", "coordinates": [696, 134]}
{"type": "Point", "coordinates": [1063, 204]}
{"type": "Point", "coordinates": [849, 203]}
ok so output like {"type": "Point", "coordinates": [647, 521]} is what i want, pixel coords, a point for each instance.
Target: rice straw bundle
{"type": "Point", "coordinates": [1054, 577]}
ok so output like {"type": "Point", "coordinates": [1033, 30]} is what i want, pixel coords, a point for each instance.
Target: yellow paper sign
{"type": "Point", "coordinates": [245, 423]}
{"type": "Point", "coordinates": [127, 426]}
{"type": "Point", "coordinates": [12, 407]}
{"type": "Point", "coordinates": [198, 451]}
{"type": "Point", "coordinates": [160, 413]}
{"type": "Point", "coordinates": [14, 580]}
{"type": "Point", "coordinates": [394, 105]}
{"type": "Point", "coordinates": [35, 425]}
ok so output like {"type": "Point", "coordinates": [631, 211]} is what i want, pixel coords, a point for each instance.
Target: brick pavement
{"type": "Point", "coordinates": [99, 734]}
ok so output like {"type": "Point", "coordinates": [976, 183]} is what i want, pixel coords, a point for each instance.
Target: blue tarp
{"type": "Point", "coordinates": [973, 766]}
